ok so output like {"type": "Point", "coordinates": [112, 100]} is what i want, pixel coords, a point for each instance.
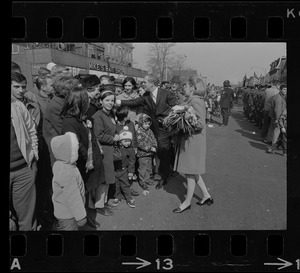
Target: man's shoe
{"type": "Point", "coordinates": [116, 202]}
{"type": "Point", "coordinates": [157, 177]}
{"type": "Point", "coordinates": [92, 222]}
{"type": "Point", "coordinates": [159, 185]}
{"type": "Point", "coordinates": [104, 211]}
{"type": "Point", "coordinates": [134, 192]}
{"type": "Point", "coordinates": [109, 206]}
{"type": "Point", "coordinates": [131, 203]}
{"type": "Point", "coordinates": [150, 182]}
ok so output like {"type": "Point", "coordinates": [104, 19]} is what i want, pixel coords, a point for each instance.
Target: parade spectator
{"type": "Point", "coordinates": [23, 157]}
{"type": "Point", "coordinates": [45, 92]}
{"type": "Point", "coordinates": [19, 84]}
{"type": "Point", "coordinates": [104, 80]}
{"type": "Point", "coordinates": [175, 87]}
{"type": "Point", "coordinates": [89, 163]}
{"type": "Point", "coordinates": [52, 120]}
{"type": "Point", "coordinates": [282, 122]}
{"type": "Point", "coordinates": [104, 125]}
{"type": "Point", "coordinates": [96, 175]}
{"type": "Point", "coordinates": [129, 93]}
{"type": "Point", "coordinates": [124, 169]}
{"type": "Point", "coordinates": [141, 91]}
{"type": "Point", "coordinates": [60, 70]}
{"type": "Point", "coordinates": [44, 175]}
{"type": "Point", "coordinates": [91, 84]}
{"type": "Point", "coordinates": [143, 84]}
{"type": "Point", "coordinates": [15, 67]}
{"type": "Point", "coordinates": [191, 157]}
{"type": "Point", "coordinates": [147, 145]}
{"type": "Point", "coordinates": [74, 115]}
{"type": "Point", "coordinates": [124, 123]}
{"type": "Point", "coordinates": [118, 86]}
{"type": "Point", "coordinates": [68, 186]}
{"type": "Point", "coordinates": [226, 102]}
{"type": "Point", "coordinates": [164, 85]}
{"type": "Point", "coordinates": [268, 94]}
{"type": "Point", "coordinates": [278, 105]}
{"type": "Point", "coordinates": [43, 73]}
{"type": "Point", "coordinates": [157, 104]}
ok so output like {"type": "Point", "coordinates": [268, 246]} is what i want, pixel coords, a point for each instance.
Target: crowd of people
{"type": "Point", "coordinates": [78, 143]}
{"type": "Point", "coordinates": [265, 106]}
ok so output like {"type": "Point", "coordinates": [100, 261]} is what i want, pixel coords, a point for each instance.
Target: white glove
{"type": "Point", "coordinates": [177, 107]}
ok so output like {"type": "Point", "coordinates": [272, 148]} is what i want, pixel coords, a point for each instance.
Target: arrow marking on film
{"type": "Point", "coordinates": [143, 263]}
{"type": "Point", "coordinates": [284, 264]}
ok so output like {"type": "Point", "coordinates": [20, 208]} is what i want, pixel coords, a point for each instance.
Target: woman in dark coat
{"type": "Point", "coordinates": [104, 125]}
{"type": "Point", "coordinates": [89, 160]}
{"type": "Point", "coordinates": [73, 113]}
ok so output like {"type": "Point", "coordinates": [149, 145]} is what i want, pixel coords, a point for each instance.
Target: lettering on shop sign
{"type": "Point", "coordinates": [105, 68]}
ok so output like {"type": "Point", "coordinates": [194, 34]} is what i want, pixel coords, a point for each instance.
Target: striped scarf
{"type": "Point", "coordinates": [89, 163]}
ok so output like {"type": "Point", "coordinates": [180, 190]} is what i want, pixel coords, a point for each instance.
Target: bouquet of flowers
{"type": "Point", "coordinates": [182, 119]}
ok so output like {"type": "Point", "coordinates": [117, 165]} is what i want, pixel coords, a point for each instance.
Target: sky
{"type": "Point", "coordinates": [221, 61]}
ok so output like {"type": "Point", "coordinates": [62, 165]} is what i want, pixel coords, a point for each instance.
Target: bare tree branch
{"type": "Point", "coordinates": [160, 58]}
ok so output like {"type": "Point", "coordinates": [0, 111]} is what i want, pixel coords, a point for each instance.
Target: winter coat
{"type": "Point", "coordinates": [145, 139]}
{"type": "Point", "coordinates": [68, 188]}
{"type": "Point", "coordinates": [278, 104]}
{"type": "Point", "coordinates": [127, 161]}
{"type": "Point", "coordinates": [52, 122]}
{"type": "Point", "coordinates": [227, 98]}
{"type": "Point", "coordinates": [96, 176]}
{"type": "Point", "coordinates": [104, 130]}
{"type": "Point", "coordinates": [191, 156]}
{"type": "Point", "coordinates": [72, 124]}
{"type": "Point", "coordinates": [269, 93]}
{"type": "Point", "coordinates": [132, 115]}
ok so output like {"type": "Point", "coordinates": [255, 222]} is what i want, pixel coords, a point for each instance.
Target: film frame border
{"type": "Point", "coordinates": [219, 16]}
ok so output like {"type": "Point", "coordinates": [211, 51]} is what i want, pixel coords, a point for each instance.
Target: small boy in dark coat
{"type": "Point", "coordinates": [124, 169]}
{"type": "Point", "coordinates": [147, 145]}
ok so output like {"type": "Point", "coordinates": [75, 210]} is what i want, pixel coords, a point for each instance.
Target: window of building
{"type": "Point", "coordinates": [15, 49]}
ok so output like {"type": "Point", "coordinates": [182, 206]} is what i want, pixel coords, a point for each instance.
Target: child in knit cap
{"type": "Point", "coordinates": [124, 169]}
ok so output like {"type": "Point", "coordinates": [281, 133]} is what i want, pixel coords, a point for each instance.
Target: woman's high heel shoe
{"type": "Point", "coordinates": [179, 210]}
{"type": "Point", "coordinates": [208, 201]}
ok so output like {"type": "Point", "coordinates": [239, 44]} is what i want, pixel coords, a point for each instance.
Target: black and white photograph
{"type": "Point", "coordinates": [148, 136]}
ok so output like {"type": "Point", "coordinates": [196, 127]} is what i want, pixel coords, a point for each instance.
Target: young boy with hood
{"type": "Point", "coordinates": [146, 145]}
{"type": "Point", "coordinates": [68, 187]}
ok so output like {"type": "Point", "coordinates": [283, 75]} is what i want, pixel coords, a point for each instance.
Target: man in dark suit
{"type": "Point", "coordinates": [226, 102]}
{"type": "Point", "coordinates": [157, 103]}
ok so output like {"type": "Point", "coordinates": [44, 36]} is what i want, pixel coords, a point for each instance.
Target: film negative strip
{"type": "Point", "coordinates": [253, 224]}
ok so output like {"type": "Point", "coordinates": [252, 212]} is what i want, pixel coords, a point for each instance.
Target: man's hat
{"type": "Point", "coordinates": [226, 83]}
{"type": "Point", "coordinates": [125, 134]}
{"type": "Point", "coordinates": [50, 65]}
{"type": "Point", "coordinates": [118, 82]}
{"type": "Point", "coordinates": [175, 79]}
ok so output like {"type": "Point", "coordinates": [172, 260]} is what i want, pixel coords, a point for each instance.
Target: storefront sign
{"type": "Point", "coordinates": [105, 68]}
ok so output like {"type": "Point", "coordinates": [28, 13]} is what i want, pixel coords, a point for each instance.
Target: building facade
{"type": "Point", "coordinates": [113, 59]}
{"type": "Point", "coordinates": [278, 70]}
